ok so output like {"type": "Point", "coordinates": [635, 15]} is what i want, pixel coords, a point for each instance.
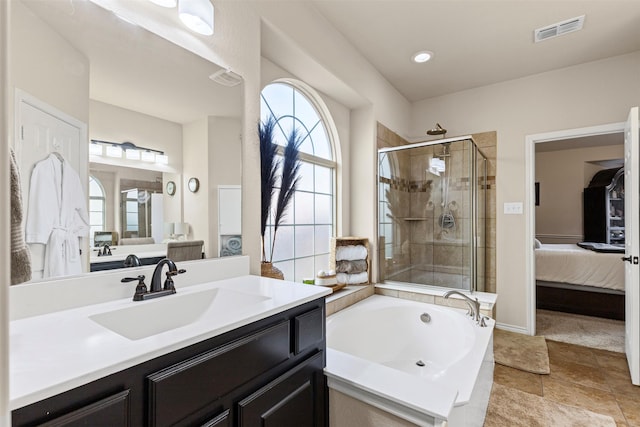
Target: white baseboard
{"type": "Point", "coordinates": [512, 328]}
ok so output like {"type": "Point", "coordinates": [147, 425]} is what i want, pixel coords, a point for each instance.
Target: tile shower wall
{"type": "Point", "coordinates": [438, 257]}
{"type": "Point", "coordinates": [487, 142]}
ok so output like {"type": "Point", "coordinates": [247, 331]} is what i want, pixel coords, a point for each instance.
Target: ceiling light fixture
{"type": "Point", "coordinates": [114, 151]}
{"type": "Point", "coordinates": [197, 15]}
{"type": "Point", "coordinates": [148, 156]}
{"type": "Point", "coordinates": [132, 154]}
{"type": "Point", "coordinates": [95, 149]}
{"type": "Point", "coordinates": [131, 151]}
{"type": "Point", "coordinates": [422, 56]}
{"type": "Point", "coordinates": [165, 3]}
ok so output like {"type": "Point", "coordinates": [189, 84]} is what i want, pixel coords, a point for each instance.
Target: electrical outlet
{"type": "Point", "coordinates": [513, 208]}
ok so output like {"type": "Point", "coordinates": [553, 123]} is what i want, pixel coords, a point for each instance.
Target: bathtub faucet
{"type": "Point", "coordinates": [474, 305]}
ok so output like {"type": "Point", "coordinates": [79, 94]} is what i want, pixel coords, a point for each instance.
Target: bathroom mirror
{"type": "Point", "coordinates": [126, 200]}
{"type": "Point", "coordinates": [130, 85]}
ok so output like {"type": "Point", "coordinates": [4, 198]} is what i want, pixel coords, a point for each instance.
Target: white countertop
{"type": "Point", "coordinates": [120, 253]}
{"type": "Point", "coordinates": [55, 352]}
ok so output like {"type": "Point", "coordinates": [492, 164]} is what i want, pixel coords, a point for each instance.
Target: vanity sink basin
{"type": "Point", "coordinates": [147, 318]}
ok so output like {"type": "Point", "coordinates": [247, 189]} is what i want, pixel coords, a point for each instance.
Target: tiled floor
{"type": "Point", "coordinates": [596, 380]}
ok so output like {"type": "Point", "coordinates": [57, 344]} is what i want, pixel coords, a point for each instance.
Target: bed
{"type": "Point", "coordinates": [573, 279]}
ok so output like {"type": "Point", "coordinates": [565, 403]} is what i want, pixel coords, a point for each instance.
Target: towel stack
{"type": "Point", "coordinates": [352, 265]}
{"type": "Point", "coordinates": [20, 255]}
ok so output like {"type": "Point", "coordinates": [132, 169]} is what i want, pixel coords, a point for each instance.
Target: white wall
{"type": "Point", "coordinates": [115, 124]}
{"type": "Point", "coordinates": [195, 165]}
{"type": "Point", "coordinates": [563, 175]}
{"type": "Point", "coordinates": [36, 48]}
{"type": "Point", "coordinates": [225, 146]}
{"type": "Point", "coordinates": [584, 95]}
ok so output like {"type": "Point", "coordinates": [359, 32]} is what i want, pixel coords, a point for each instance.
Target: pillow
{"type": "Point", "coordinates": [536, 244]}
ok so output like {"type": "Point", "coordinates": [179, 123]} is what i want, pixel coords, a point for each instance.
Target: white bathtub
{"type": "Point", "coordinates": [375, 347]}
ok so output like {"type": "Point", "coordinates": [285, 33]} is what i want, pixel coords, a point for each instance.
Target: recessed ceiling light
{"type": "Point", "coordinates": [422, 56]}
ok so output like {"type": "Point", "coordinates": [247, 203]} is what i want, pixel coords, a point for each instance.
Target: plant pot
{"type": "Point", "coordinates": [267, 269]}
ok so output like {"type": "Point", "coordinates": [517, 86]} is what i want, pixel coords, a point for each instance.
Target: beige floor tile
{"type": "Point", "coordinates": [589, 376]}
{"type": "Point", "coordinates": [590, 398]}
{"type": "Point", "coordinates": [631, 410]}
{"type": "Point", "coordinates": [571, 352]}
{"type": "Point", "coordinates": [610, 360]}
{"type": "Point", "coordinates": [509, 407]}
{"type": "Point", "coordinates": [620, 383]}
{"type": "Point", "coordinates": [520, 380]}
{"type": "Point", "coordinates": [512, 408]}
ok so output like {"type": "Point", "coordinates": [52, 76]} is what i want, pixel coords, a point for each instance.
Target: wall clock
{"type": "Point", "coordinates": [194, 184]}
{"type": "Point", "coordinates": [171, 188]}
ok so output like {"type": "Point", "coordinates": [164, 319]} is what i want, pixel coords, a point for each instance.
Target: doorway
{"type": "Point", "coordinates": [580, 289]}
{"type": "Point", "coordinates": [530, 198]}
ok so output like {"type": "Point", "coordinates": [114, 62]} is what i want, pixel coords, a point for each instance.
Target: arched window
{"type": "Point", "coordinates": [97, 213]}
{"type": "Point", "coordinates": [303, 239]}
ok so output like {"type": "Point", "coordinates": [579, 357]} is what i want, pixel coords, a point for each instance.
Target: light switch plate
{"type": "Point", "coordinates": [513, 208]}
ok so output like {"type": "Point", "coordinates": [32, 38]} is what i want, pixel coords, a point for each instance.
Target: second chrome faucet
{"type": "Point", "coordinates": [474, 306]}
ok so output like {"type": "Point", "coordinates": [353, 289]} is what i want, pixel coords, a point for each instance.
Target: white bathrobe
{"type": "Point", "coordinates": [57, 215]}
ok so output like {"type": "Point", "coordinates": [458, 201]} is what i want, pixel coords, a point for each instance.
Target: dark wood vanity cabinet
{"type": "Point", "coordinates": [266, 373]}
{"type": "Point", "coordinates": [290, 400]}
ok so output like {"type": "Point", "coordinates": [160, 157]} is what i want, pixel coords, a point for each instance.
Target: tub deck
{"type": "Point", "coordinates": [419, 395]}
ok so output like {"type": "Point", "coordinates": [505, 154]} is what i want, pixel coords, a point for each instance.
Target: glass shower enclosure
{"type": "Point", "coordinates": [431, 214]}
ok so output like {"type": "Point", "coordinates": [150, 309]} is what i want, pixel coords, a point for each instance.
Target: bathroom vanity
{"type": "Point", "coordinates": [236, 352]}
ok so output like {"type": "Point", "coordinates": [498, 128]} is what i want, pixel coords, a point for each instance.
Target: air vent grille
{"type": "Point", "coordinates": [558, 29]}
{"type": "Point", "coordinates": [226, 78]}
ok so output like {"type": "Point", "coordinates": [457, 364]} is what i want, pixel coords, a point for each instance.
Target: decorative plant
{"type": "Point", "coordinates": [289, 178]}
{"type": "Point", "coordinates": [268, 170]}
{"type": "Point", "coordinates": [288, 181]}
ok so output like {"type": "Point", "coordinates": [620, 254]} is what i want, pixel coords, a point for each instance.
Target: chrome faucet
{"type": "Point", "coordinates": [156, 289]}
{"type": "Point", "coordinates": [474, 306]}
{"type": "Point", "coordinates": [156, 279]}
{"type": "Point", "coordinates": [132, 260]}
{"type": "Point", "coordinates": [106, 250]}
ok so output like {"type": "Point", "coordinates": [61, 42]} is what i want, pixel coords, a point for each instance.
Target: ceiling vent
{"type": "Point", "coordinates": [226, 78]}
{"type": "Point", "coordinates": [555, 30]}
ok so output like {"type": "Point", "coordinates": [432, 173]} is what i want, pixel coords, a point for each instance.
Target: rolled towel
{"type": "Point", "coordinates": [230, 245]}
{"type": "Point", "coordinates": [351, 267]}
{"type": "Point", "coordinates": [235, 243]}
{"type": "Point", "coordinates": [353, 279]}
{"type": "Point", "coordinates": [351, 253]}
{"type": "Point", "coordinates": [20, 255]}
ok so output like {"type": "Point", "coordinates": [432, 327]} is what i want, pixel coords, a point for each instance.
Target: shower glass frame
{"type": "Point", "coordinates": [477, 168]}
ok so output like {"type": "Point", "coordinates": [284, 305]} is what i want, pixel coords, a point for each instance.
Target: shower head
{"type": "Point", "coordinates": [438, 130]}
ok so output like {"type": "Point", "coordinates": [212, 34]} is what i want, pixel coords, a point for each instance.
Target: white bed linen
{"type": "Point", "coordinates": [568, 263]}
